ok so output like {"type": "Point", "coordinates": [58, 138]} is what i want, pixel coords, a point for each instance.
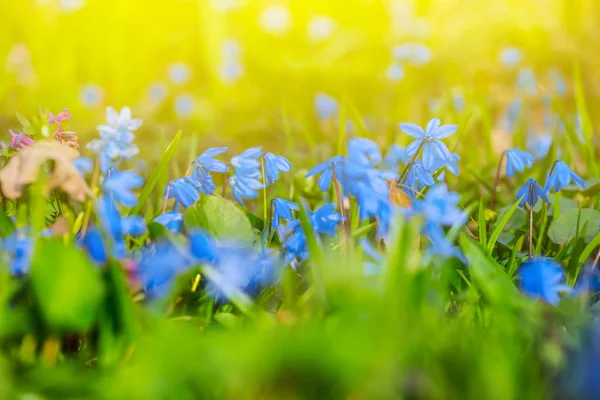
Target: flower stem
{"type": "Point", "coordinates": [265, 208]}
{"type": "Point", "coordinates": [340, 199]}
{"type": "Point", "coordinates": [164, 209]}
{"type": "Point", "coordinates": [531, 221]}
{"type": "Point", "coordinates": [404, 173]}
{"type": "Point", "coordinates": [496, 181]}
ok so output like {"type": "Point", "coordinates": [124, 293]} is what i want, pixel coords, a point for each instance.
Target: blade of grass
{"type": "Point", "coordinates": [163, 164]}
{"type": "Point", "coordinates": [500, 226]}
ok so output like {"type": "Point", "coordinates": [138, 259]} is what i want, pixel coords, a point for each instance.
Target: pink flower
{"type": "Point", "coordinates": [20, 140]}
{"type": "Point", "coordinates": [64, 115]}
{"type": "Point", "coordinates": [68, 138]}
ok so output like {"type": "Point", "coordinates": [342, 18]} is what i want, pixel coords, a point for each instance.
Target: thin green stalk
{"type": "Point", "coordinates": [496, 181]}
{"type": "Point", "coordinates": [265, 208]}
{"type": "Point", "coordinates": [404, 173]}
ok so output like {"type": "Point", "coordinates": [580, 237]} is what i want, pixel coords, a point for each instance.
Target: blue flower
{"type": "Point", "coordinates": [94, 244]}
{"type": "Point", "coordinates": [526, 81]}
{"type": "Point", "coordinates": [202, 180]}
{"type": "Point", "coordinates": [274, 164]}
{"type": "Point", "coordinates": [430, 139]}
{"type": "Point", "coordinates": [395, 72]}
{"type": "Point", "coordinates": [206, 160]}
{"type": "Point", "coordinates": [539, 145]}
{"type": "Point", "coordinates": [542, 278]}
{"type": "Point", "coordinates": [243, 187]}
{"type": "Point", "coordinates": [561, 177]}
{"type": "Point", "coordinates": [84, 165]}
{"type": "Point", "coordinates": [326, 170]}
{"type": "Point", "coordinates": [172, 220]}
{"type": "Point", "coordinates": [510, 56]}
{"type": "Point", "coordinates": [282, 209]}
{"type": "Point", "coordinates": [19, 250]}
{"type": "Point", "coordinates": [326, 106]}
{"type": "Point", "coordinates": [513, 110]}
{"type": "Point", "coordinates": [293, 242]}
{"type": "Point", "coordinates": [325, 219]}
{"type": "Point", "coordinates": [439, 207]}
{"type": "Point", "coordinates": [517, 160]}
{"type": "Point", "coordinates": [416, 173]}
{"type": "Point", "coordinates": [183, 190]}
{"type": "Point", "coordinates": [417, 53]}
{"type": "Point", "coordinates": [115, 143]}
{"type": "Point", "coordinates": [247, 161]}
{"type": "Point", "coordinates": [364, 151]}
{"type": "Point", "coordinates": [133, 225]}
{"type": "Point", "coordinates": [531, 191]}
{"type": "Point", "coordinates": [588, 282]}
{"type": "Point", "coordinates": [119, 185]}
{"type": "Point", "coordinates": [159, 265]}
{"type": "Point", "coordinates": [395, 156]}
{"type": "Point", "coordinates": [440, 245]}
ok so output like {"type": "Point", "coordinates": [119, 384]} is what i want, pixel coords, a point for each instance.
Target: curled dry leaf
{"type": "Point", "coordinates": [23, 169]}
{"type": "Point", "coordinates": [397, 195]}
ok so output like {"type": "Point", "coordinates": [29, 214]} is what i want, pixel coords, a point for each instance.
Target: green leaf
{"type": "Point", "coordinates": [487, 274]}
{"type": "Point", "coordinates": [228, 320]}
{"type": "Point", "coordinates": [6, 225]}
{"type": "Point", "coordinates": [220, 218]}
{"type": "Point", "coordinates": [500, 226]}
{"type": "Point", "coordinates": [482, 225]}
{"type": "Point", "coordinates": [161, 167]}
{"type": "Point", "coordinates": [564, 228]}
{"type": "Point", "coordinates": [589, 248]}
{"type": "Point", "coordinates": [68, 288]}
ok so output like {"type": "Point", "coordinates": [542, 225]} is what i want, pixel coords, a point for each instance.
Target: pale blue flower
{"type": "Point", "coordinates": [84, 165]}
{"type": "Point", "coordinates": [184, 105]}
{"type": "Point", "coordinates": [526, 81]}
{"type": "Point", "coordinates": [206, 160]}
{"type": "Point", "coordinates": [179, 73]}
{"type": "Point", "coordinates": [430, 139]}
{"type": "Point", "coordinates": [539, 145]}
{"type": "Point", "coordinates": [417, 53]}
{"type": "Point", "coordinates": [395, 72]}
{"type": "Point", "coordinates": [364, 151]}
{"type": "Point", "coordinates": [183, 190]}
{"type": "Point", "coordinates": [325, 219]}
{"type": "Point", "coordinates": [172, 220]}
{"type": "Point", "coordinates": [395, 156]}
{"type": "Point", "coordinates": [326, 170]}
{"type": "Point", "coordinates": [561, 177]}
{"type": "Point", "coordinates": [273, 165]}
{"type": "Point", "coordinates": [510, 56]}
{"type": "Point", "coordinates": [91, 95]}
{"type": "Point", "coordinates": [119, 186]}
{"type": "Point", "coordinates": [517, 160]}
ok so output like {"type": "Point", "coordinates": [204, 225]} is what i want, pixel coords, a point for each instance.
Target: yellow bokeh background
{"type": "Point", "coordinates": [85, 55]}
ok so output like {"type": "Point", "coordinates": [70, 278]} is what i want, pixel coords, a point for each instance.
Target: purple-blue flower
{"type": "Point", "coordinates": [517, 160]}
{"type": "Point", "coordinates": [430, 139]}
{"type": "Point", "coordinates": [561, 177]}
{"type": "Point", "coordinates": [273, 165]}
{"type": "Point", "coordinates": [282, 209]}
{"type": "Point", "coordinates": [530, 192]}
{"type": "Point", "coordinates": [542, 278]}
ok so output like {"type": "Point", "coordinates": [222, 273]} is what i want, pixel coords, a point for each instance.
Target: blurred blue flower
{"type": "Point", "coordinates": [417, 53]}
{"type": "Point", "coordinates": [395, 156]}
{"type": "Point", "coordinates": [588, 282]}
{"type": "Point", "coordinates": [245, 181]}
{"type": "Point", "coordinates": [158, 266]}
{"type": "Point", "coordinates": [439, 207]}
{"type": "Point", "coordinates": [172, 220]}
{"type": "Point", "coordinates": [395, 72]}
{"type": "Point", "coordinates": [326, 170]}
{"type": "Point", "coordinates": [133, 225]}
{"type": "Point", "coordinates": [326, 106]}
{"type": "Point", "coordinates": [325, 219]}
{"type": "Point", "coordinates": [184, 105]}
{"type": "Point", "coordinates": [179, 73]}
{"type": "Point", "coordinates": [94, 244]}
{"type": "Point", "coordinates": [282, 209]}
{"type": "Point", "coordinates": [539, 145]}
{"type": "Point", "coordinates": [231, 70]}
{"type": "Point", "coordinates": [430, 138]}
{"type": "Point", "coordinates": [373, 266]}
{"type": "Point", "coordinates": [364, 151]}
{"type": "Point", "coordinates": [531, 191]}
{"type": "Point", "coordinates": [206, 160]}
{"type": "Point", "coordinates": [230, 48]}
{"type": "Point", "coordinates": [510, 56]}
{"type": "Point", "coordinates": [119, 186]}
{"type": "Point", "coordinates": [440, 245]}
{"type": "Point", "coordinates": [517, 160]}
{"type": "Point", "coordinates": [542, 278]}
{"type": "Point", "coordinates": [91, 95]}
{"type": "Point", "coordinates": [513, 111]}
{"type": "Point", "coordinates": [158, 92]}
{"type": "Point", "coordinates": [18, 250]}
{"type": "Point", "coordinates": [293, 242]}
{"type": "Point", "coordinates": [183, 190]}
{"type": "Point", "coordinates": [526, 81]}
{"type": "Point", "coordinates": [562, 176]}
{"type": "Point", "coordinates": [84, 165]}
{"type": "Point", "coordinates": [273, 165]}
{"type": "Point", "coordinates": [202, 180]}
